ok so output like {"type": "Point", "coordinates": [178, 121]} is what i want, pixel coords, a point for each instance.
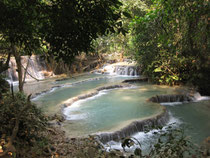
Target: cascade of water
{"type": "Point", "coordinates": [126, 70]}
{"type": "Point", "coordinates": [36, 68]}
{"type": "Point", "coordinates": [134, 127]}
{"type": "Point", "coordinates": [171, 98]}
{"type": "Point", "coordinates": [12, 73]}
{"type": "Point", "coordinates": [135, 73]}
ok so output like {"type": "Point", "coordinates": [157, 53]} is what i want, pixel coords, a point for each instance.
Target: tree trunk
{"type": "Point", "coordinates": [19, 67]}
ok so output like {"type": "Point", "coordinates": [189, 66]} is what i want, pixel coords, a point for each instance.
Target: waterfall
{"type": "Point", "coordinates": [174, 99]}
{"type": "Point", "coordinates": [136, 126]}
{"type": "Point", "coordinates": [123, 69]}
{"type": "Point", "coordinates": [171, 98]}
{"type": "Point", "coordinates": [36, 68]}
{"type": "Point", "coordinates": [12, 73]}
{"type": "Point", "coordinates": [126, 70]}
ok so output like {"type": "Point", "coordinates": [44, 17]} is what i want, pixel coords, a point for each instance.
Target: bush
{"type": "Point", "coordinates": [171, 69]}
{"type": "Point", "coordinates": [4, 86]}
{"type": "Point", "coordinates": [31, 121]}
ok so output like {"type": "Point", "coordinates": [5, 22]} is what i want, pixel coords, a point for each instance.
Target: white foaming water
{"type": "Point", "coordinates": [145, 139]}
{"type": "Point", "coordinates": [202, 98]}
{"type": "Point", "coordinates": [36, 67]}
{"type": "Point", "coordinates": [76, 116]}
{"type": "Point", "coordinates": [15, 83]}
{"type": "Point", "coordinates": [198, 97]}
{"type": "Point", "coordinates": [109, 69]}
{"type": "Point", "coordinates": [120, 69]}
{"type": "Point", "coordinates": [45, 92]}
{"type": "Point", "coordinates": [171, 103]}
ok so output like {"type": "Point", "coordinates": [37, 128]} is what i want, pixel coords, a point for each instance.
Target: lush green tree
{"type": "Point", "coordinates": [73, 25]}
{"type": "Point", "coordinates": [19, 29]}
{"type": "Point", "coordinates": [65, 28]}
{"type": "Point", "coordinates": [120, 41]}
{"type": "Point", "coordinates": [171, 41]}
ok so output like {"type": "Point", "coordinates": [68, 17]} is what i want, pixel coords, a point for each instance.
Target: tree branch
{"type": "Point", "coordinates": [24, 78]}
{"type": "Point", "coordinates": [26, 71]}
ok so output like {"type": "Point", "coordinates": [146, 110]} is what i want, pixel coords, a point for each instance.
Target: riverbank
{"type": "Point", "coordinates": [63, 147]}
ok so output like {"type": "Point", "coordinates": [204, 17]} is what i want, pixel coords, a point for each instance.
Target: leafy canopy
{"type": "Point", "coordinates": [65, 28]}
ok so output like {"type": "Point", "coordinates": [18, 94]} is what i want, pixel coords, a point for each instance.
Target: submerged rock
{"type": "Point", "coordinates": [135, 80]}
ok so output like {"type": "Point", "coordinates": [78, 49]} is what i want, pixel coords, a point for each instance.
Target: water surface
{"type": "Point", "coordinates": [50, 102]}
{"type": "Point", "coordinates": [112, 110]}
{"type": "Point", "coordinates": [114, 107]}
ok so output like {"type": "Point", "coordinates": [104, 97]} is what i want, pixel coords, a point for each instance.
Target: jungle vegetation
{"type": "Point", "coordinates": [168, 38]}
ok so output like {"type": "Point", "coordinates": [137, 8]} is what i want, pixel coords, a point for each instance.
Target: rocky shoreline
{"type": "Point", "coordinates": [63, 147]}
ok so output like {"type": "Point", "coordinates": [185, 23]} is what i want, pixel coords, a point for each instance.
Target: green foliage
{"type": "Point", "coordinates": [119, 41]}
{"type": "Point", "coordinates": [20, 24]}
{"type": "Point", "coordinates": [73, 25]}
{"type": "Point", "coordinates": [31, 121]}
{"type": "Point", "coordinates": [171, 41]}
{"type": "Point", "coordinates": [171, 69]}
{"type": "Point", "coordinates": [66, 28]}
{"type": "Point", "coordinates": [173, 143]}
{"type": "Point", "coordinates": [110, 44]}
{"type": "Point", "coordinates": [57, 28]}
{"type": "Point", "coordinates": [4, 86]}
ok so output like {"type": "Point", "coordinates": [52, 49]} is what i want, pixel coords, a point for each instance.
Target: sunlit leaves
{"type": "Point", "coordinates": [157, 69]}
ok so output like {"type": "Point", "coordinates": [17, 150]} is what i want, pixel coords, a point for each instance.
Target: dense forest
{"type": "Point", "coordinates": [169, 40]}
